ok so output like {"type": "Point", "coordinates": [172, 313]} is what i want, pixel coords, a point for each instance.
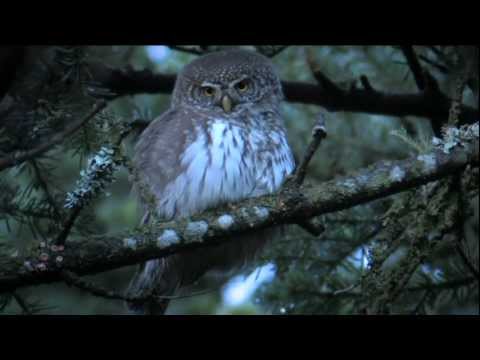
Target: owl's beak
{"type": "Point", "coordinates": [227, 103]}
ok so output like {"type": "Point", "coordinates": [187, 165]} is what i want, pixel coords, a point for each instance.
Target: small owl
{"type": "Point", "coordinates": [221, 141]}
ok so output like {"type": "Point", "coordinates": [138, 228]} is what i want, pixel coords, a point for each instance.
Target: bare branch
{"type": "Point", "coordinates": [442, 68]}
{"type": "Point", "coordinates": [73, 280]}
{"type": "Point", "coordinates": [44, 186]}
{"type": "Point", "coordinates": [187, 49]}
{"type": "Point", "coordinates": [318, 134]}
{"type": "Point", "coordinates": [451, 284]}
{"type": "Point", "coordinates": [270, 50]}
{"type": "Point", "coordinates": [366, 83]}
{"type": "Point", "coordinates": [127, 81]}
{"type": "Point", "coordinates": [414, 65]}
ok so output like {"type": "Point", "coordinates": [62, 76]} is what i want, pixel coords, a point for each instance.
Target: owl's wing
{"type": "Point", "coordinates": [156, 158]}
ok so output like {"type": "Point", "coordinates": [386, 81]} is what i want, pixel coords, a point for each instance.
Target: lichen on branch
{"type": "Point", "coordinates": [95, 254]}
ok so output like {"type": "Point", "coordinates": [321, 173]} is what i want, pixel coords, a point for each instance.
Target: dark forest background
{"type": "Point", "coordinates": [348, 269]}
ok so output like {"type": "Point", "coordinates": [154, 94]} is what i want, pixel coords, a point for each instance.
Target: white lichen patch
{"type": "Point", "coordinates": [130, 243]}
{"type": "Point", "coordinates": [349, 183]}
{"type": "Point", "coordinates": [244, 212]}
{"type": "Point", "coordinates": [168, 237]}
{"type": "Point", "coordinates": [225, 221]}
{"type": "Point", "coordinates": [261, 212]}
{"type": "Point", "coordinates": [99, 172]}
{"type": "Point", "coordinates": [28, 265]}
{"type": "Point", "coordinates": [453, 137]}
{"type": "Point", "coordinates": [436, 141]}
{"type": "Point", "coordinates": [472, 131]}
{"type": "Point", "coordinates": [363, 179]}
{"type": "Point", "coordinates": [429, 161]}
{"type": "Point", "coordinates": [196, 229]}
{"type": "Point", "coordinates": [41, 267]}
{"type": "Point", "coordinates": [397, 173]}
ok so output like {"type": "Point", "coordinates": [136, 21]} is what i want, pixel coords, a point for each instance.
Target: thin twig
{"type": "Point", "coordinates": [453, 284]}
{"type": "Point", "coordinates": [460, 231]}
{"type": "Point", "coordinates": [347, 289]}
{"type": "Point", "coordinates": [271, 52]}
{"type": "Point", "coordinates": [44, 186]}
{"type": "Point", "coordinates": [188, 50]}
{"type": "Point", "coordinates": [467, 262]}
{"type": "Point", "coordinates": [421, 302]}
{"type": "Point", "coordinates": [457, 100]}
{"type": "Point", "coordinates": [318, 134]}
{"type": "Point", "coordinates": [67, 226]}
{"type": "Point", "coordinates": [366, 83]}
{"type": "Point", "coordinates": [22, 304]}
{"type": "Point", "coordinates": [20, 156]}
{"type": "Point", "coordinates": [73, 280]}
{"type": "Point", "coordinates": [415, 66]}
{"type": "Point", "coordinates": [442, 68]}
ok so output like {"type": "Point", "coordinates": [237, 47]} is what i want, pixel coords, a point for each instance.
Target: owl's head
{"type": "Point", "coordinates": [226, 81]}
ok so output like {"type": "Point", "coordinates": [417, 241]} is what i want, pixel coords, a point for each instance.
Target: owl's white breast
{"type": "Point", "coordinates": [227, 163]}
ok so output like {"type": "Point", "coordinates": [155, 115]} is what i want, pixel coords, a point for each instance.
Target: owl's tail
{"type": "Point", "coordinates": [163, 277]}
{"type": "Point", "coordinates": [150, 284]}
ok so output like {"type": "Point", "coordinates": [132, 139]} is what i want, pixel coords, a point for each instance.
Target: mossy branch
{"type": "Point", "coordinates": [95, 254]}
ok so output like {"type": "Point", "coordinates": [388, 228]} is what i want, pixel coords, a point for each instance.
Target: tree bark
{"type": "Point", "coordinates": [96, 254]}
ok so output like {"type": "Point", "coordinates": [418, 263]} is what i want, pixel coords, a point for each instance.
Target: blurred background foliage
{"type": "Point", "coordinates": [299, 273]}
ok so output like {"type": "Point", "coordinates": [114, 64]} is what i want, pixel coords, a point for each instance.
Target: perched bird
{"type": "Point", "coordinates": [222, 140]}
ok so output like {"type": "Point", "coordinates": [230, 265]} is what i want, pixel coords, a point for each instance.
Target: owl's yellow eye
{"type": "Point", "coordinates": [209, 91]}
{"type": "Point", "coordinates": [242, 85]}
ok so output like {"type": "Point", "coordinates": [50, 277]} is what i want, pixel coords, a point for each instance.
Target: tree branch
{"type": "Point", "coordinates": [21, 302]}
{"type": "Point", "coordinates": [318, 134]}
{"type": "Point", "coordinates": [415, 66]}
{"type": "Point", "coordinates": [96, 176]}
{"type": "Point", "coordinates": [20, 156]}
{"type": "Point", "coordinates": [96, 254]}
{"type": "Point", "coordinates": [451, 284]}
{"type": "Point", "coordinates": [186, 49]}
{"type": "Point", "coordinates": [127, 81]}
{"type": "Point", "coordinates": [44, 186]}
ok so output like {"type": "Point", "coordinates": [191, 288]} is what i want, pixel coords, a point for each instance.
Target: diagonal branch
{"type": "Point", "coordinates": [21, 156]}
{"type": "Point", "coordinates": [415, 66]}
{"type": "Point", "coordinates": [318, 134]}
{"type": "Point", "coordinates": [21, 302]}
{"type": "Point", "coordinates": [446, 285]}
{"type": "Point", "coordinates": [43, 184]}
{"type": "Point", "coordinates": [95, 254]}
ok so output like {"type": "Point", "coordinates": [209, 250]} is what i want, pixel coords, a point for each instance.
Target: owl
{"type": "Point", "coordinates": [222, 140]}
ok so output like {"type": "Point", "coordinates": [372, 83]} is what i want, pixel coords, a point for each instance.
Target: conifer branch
{"type": "Point", "coordinates": [431, 105]}
{"type": "Point", "coordinates": [95, 254]}
{"type": "Point", "coordinates": [18, 157]}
